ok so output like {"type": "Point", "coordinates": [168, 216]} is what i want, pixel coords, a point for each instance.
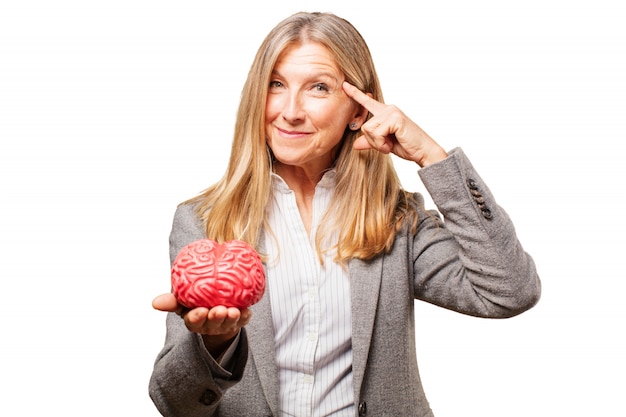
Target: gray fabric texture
{"type": "Point", "coordinates": [465, 257]}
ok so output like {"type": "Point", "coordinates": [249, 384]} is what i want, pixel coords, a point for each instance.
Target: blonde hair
{"type": "Point", "coordinates": [367, 220]}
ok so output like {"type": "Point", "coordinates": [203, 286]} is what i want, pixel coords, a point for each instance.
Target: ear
{"type": "Point", "coordinates": [360, 117]}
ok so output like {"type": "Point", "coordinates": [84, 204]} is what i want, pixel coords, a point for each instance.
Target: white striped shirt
{"type": "Point", "coordinates": [310, 310]}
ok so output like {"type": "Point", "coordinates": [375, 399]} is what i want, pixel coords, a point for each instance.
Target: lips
{"type": "Point", "coordinates": [291, 134]}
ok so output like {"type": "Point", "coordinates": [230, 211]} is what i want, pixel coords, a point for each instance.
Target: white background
{"type": "Point", "coordinates": [111, 113]}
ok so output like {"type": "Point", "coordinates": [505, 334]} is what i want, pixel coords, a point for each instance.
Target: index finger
{"type": "Point", "coordinates": [363, 99]}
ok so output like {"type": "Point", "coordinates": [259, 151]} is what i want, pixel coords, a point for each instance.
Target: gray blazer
{"type": "Point", "coordinates": [473, 264]}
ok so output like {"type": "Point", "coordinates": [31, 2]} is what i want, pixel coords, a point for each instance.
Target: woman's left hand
{"type": "Point", "coordinates": [390, 130]}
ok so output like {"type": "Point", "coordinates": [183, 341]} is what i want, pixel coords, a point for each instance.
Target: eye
{"type": "Point", "coordinates": [275, 84]}
{"type": "Point", "coordinates": [320, 88]}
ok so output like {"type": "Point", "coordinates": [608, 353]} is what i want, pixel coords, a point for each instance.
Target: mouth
{"type": "Point", "coordinates": [291, 134]}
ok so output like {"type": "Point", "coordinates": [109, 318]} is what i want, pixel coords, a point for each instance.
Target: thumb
{"type": "Point", "coordinates": [165, 302]}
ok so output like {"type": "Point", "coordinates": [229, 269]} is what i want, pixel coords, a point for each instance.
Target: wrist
{"type": "Point", "coordinates": [217, 344]}
{"type": "Point", "coordinates": [432, 156]}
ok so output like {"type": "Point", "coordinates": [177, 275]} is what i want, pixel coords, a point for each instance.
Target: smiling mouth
{"type": "Point", "coordinates": [291, 134]}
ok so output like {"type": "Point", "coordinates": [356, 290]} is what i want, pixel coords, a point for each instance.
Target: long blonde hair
{"type": "Point", "coordinates": [369, 204]}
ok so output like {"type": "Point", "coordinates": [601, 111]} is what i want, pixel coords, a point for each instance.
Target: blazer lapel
{"type": "Point", "coordinates": [365, 278]}
{"type": "Point", "coordinates": [260, 332]}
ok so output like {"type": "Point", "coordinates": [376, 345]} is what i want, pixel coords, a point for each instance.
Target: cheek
{"type": "Point", "coordinates": [327, 115]}
{"type": "Point", "coordinates": [271, 109]}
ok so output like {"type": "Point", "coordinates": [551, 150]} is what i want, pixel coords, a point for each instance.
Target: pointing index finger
{"type": "Point", "coordinates": [363, 99]}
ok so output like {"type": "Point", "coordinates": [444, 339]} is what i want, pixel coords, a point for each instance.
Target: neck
{"type": "Point", "coordinates": [302, 182]}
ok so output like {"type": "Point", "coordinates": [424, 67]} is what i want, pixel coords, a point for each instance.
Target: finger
{"type": "Point", "coordinates": [218, 313]}
{"type": "Point", "coordinates": [361, 143]}
{"type": "Point", "coordinates": [227, 316]}
{"type": "Point", "coordinates": [165, 302]}
{"type": "Point", "coordinates": [384, 145]}
{"type": "Point", "coordinates": [378, 134]}
{"type": "Point", "coordinates": [232, 321]}
{"type": "Point", "coordinates": [223, 320]}
{"type": "Point", "coordinates": [196, 318]}
{"type": "Point", "coordinates": [245, 316]}
{"type": "Point", "coordinates": [363, 99]}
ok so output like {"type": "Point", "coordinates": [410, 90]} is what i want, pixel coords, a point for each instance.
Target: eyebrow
{"type": "Point", "coordinates": [313, 75]}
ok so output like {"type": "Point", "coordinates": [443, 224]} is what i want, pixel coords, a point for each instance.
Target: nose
{"type": "Point", "coordinates": [293, 108]}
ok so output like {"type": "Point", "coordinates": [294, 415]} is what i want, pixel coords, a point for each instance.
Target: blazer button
{"type": "Point", "coordinates": [208, 397]}
{"type": "Point", "coordinates": [362, 409]}
{"type": "Point", "coordinates": [471, 183]}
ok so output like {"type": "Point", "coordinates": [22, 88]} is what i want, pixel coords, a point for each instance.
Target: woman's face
{"type": "Point", "coordinates": [307, 111]}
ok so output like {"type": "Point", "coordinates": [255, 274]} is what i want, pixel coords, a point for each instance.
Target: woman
{"type": "Point", "coordinates": [311, 185]}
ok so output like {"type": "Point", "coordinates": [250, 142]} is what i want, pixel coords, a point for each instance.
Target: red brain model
{"type": "Point", "coordinates": [207, 274]}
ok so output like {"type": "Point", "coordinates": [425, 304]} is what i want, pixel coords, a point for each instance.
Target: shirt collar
{"type": "Point", "coordinates": [326, 182]}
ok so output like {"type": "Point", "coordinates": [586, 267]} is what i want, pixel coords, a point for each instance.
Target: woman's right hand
{"type": "Point", "coordinates": [218, 325]}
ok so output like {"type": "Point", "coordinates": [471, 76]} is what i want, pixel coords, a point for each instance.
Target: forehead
{"type": "Point", "coordinates": [311, 55]}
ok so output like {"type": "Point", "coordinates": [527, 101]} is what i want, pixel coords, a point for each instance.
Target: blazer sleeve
{"type": "Point", "coordinates": [186, 379]}
{"type": "Point", "coordinates": [471, 261]}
